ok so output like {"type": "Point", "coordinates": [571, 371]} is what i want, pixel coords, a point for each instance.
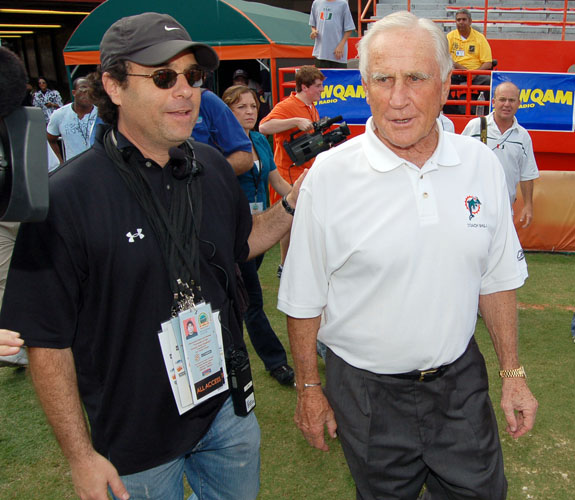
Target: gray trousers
{"type": "Point", "coordinates": [398, 434]}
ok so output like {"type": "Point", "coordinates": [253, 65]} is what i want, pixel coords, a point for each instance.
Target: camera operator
{"type": "Point", "coordinates": [295, 112]}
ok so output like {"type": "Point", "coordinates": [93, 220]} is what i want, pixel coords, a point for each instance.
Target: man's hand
{"type": "Point", "coordinates": [338, 52]}
{"type": "Point", "coordinates": [519, 406]}
{"type": "Point", "coordinates": [311, 414]}
{"type": "Point", "coordinates": [526, 216]}
{"type": "Point", "coordinates": [303, 124]}
{"type": "Point", "coordinates": [314, 34]}
{"type": "Point", "coordinates": [294, 193]}
{"type": "Point", "coordinates": [10, 342]}
{"type": "Point", "coordinates": [92, 476]}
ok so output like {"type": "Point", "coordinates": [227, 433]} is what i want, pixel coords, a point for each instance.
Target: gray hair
{"type": "Point", "coordinates": [405, 20]}
{"type": "Point", "coordinates": [464, 11]}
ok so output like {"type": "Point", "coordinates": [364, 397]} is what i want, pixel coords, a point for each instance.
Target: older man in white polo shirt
{"type": "Point", "coordinates": [399, 235]}
{"type": "Point", "coordinates": [512, 145]}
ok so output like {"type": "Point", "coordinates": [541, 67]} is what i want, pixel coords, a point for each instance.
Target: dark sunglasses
{"type": "Point", "coordinates": [166, 78]}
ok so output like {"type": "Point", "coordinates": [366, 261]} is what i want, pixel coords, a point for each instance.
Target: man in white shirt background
{"type": "Point", "coordinates": [73, 122]}
{"type": "Point", "coordinates": [512, 145]}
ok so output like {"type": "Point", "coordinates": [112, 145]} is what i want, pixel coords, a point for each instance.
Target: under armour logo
{"type": "Point", "coordinates": [131, 237]}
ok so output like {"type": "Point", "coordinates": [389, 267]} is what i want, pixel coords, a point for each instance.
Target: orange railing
{"type": "Point", "coordinates": [463, 94]}
{"type": "Point", "coordinates": [285, 85]}
{"type": "Point", "coordinates": [364, 16]}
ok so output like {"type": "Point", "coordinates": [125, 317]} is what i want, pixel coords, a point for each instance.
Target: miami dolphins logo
{"type": "Point", "coordinates": [472, 204]}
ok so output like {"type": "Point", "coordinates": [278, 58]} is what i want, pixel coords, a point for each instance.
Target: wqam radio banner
{"type": "Point", "coordinates": [343, 95]}
{"type": "Point", "coordinates": [546, 99]}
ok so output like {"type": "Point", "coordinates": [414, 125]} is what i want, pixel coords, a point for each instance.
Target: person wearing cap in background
{"type": "Point", "coordinates": [242, 77]}
{"type": "Point", "coordinates": [90, 287]}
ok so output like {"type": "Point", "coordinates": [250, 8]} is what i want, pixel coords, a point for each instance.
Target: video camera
{"type": "Point", "coordinates": [23, 148]}
{"type": "Point", "coordinates": [308, 146]}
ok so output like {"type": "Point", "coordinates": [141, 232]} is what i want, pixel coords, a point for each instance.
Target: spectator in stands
{"type": "Point", "coordinates": [244, 104]}
{"type": "Point", "coordinates": [469, 49]}
{"type": "Point", "coordinates": [512, 145]}
{"type": "Point", "coordinates": [46, 99]}
{"type": "Point", "coordinates": [331, 26]}
{"type": "Point", "coordinates": [73, 122]}
{"type": "Point", "coordinates": [297, 112]}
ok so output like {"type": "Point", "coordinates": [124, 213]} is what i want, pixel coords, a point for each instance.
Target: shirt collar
{"type": "Point", "coordinates": [491, 121]}
{"type": "Point", "coordinates": [382, 159]}
{"type": "Point", "coordinates": [128, 150]}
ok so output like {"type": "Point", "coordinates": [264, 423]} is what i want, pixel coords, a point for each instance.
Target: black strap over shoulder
{"type": "Point", "coordinates": [176, 229]}
{"type": "Point", "coordinates": [483, 129]}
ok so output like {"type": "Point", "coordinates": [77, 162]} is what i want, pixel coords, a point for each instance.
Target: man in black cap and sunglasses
{"type": "Point", "coordinates": [140, 226]}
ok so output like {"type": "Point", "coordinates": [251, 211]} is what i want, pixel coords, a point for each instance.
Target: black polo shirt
{"type": "Point", "coordinates": [92, 277]}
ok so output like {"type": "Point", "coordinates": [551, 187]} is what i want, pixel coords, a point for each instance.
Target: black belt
{"type": "Point", "coordinates": [423, 375]}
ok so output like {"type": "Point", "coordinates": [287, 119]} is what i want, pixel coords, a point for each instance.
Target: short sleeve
{"type": "Point", "coordinates": [54, 123]}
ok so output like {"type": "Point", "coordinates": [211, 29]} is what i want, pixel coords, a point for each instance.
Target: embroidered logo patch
{"type": "Point", "coordinates": [473, 205]}
{"type": "Point", "coordinates": [132, 237]}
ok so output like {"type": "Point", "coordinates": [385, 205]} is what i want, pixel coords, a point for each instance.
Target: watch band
{"type": "Point", "coordinates": [514, 373]}
{"type": "Point", "coordinates": [287, 207]}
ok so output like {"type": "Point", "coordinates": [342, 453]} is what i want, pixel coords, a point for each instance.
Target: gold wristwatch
{"type": "Point", "coordinates": [515, 373]}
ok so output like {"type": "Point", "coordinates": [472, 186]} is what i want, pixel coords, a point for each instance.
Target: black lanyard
{"type": "Point", "coordinates": [177, 231]}
{"type": "Point", "coordinates": [259, 177]}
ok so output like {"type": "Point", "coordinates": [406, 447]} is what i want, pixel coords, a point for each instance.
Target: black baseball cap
{"type": "Point", "coordinates": [241, 73]}
{"type": "Point", "coordinates": [151, 39]}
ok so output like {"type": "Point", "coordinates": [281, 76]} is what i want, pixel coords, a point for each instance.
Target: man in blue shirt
{"type": "Point", "coordinates": [218, 127]}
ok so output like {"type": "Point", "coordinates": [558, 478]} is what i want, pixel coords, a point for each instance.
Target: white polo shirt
{"type": "Point", "coordinates": [394, 257]}
{"type": "Point", "coordinates": [513, 148]}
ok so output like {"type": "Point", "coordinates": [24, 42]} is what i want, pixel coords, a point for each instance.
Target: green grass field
{"type": "Point", "coordinates": [539, 465]}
